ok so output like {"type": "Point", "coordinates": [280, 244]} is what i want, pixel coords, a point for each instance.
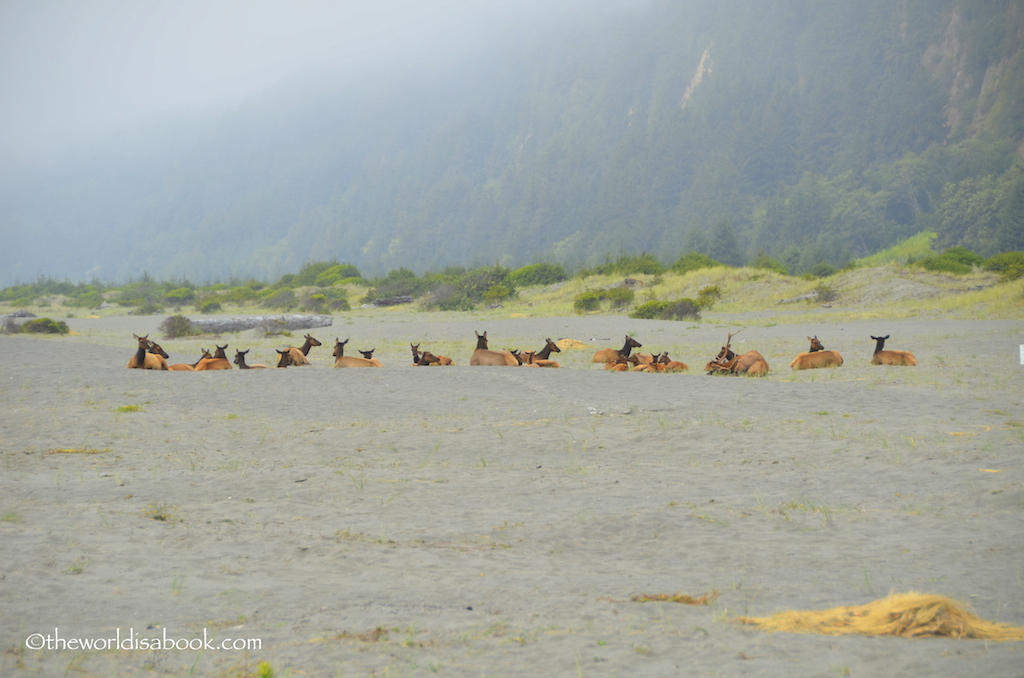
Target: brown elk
{"type": "Point", "coordinates": [299, 354]}
{"type": "Point", "coordinates": [368, 355]}
{"type": "Point", "coordinates": [484, 357]}
{"type": "Point", "coordinates": [435, 359]}
{"type": "Point", "coordinates": [882, 357]}
{"type": "Point", "coordinates": [727, 362]}
{"type": "Point", "coordinates": [342, 360]}
{"type": "Point", "coordinates": [672, 365]}
{"type": "Point", "coordinates": [242, 365]}
{"type": "Point", "coordinates": [190, 367]}
{"type": "Point", "coordinates": [542, 358]}
{"type": "Point", "coordinates": [208, 363]}
{"type": "Point", "coordinates": [622, 363]}
{"type": "Point", "coordinates": [143, 359]}
{"type": "Point", "coordinates": [611, 355]}
{"type": "Point", "coordinates": [284, 358]}
{"type": "Point", "coordinates": [816, 357]}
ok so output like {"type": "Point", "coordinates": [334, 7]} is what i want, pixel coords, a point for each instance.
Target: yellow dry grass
{"type": "Point", "coordinates": [908, 615]}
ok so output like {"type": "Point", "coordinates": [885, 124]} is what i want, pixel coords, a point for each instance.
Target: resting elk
{"type": "Point", "coordinates": [299, 354]}
{"type": "Point", "coordinates": [284, 358]}
{"type": "Point", "coordinates": [143, 359]}
{"type": "Point", "coordinates": [240, 361]}
{"type": "Point", "coordinates": [611, 355]}
{"type": "Point", "coordinates": [219, 361]}
{"type": "Point", "coordinates": [727, 362]}
{"type": "Point", "coordinates": [342, 360]}
{"type": "Point", "coordinates": [542, 357]}
{"type": "Point", "coordinates": [882, 357]}
{"type": "Point", "coordinates": [417, 357]}
{"type": "Point", "coordinates": [816, 357]}
{"type": "Point", "coordinates": [484, 357]}
{"type": "Point", "coordinates": [190, 367]}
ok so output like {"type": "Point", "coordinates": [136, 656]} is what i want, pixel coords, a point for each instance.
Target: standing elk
{"type": "Point", "coordinates": [816, 357]}
{"type": "Point", "coordinates": [484, 357]}
{"type": "Point", "coordinates": [143, 359]}
{"type": "Point", "coordinates": [882, 357]}
{"type": "Point", "coordinates": [611, 355]}
{"type": "Point", "coordinates": [727, 362]}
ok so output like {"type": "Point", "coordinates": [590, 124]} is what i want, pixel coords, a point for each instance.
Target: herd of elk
{"type": "Point", "coordinates": [816, 357]}
{"type": "Point", "coordinates": [151, 356]}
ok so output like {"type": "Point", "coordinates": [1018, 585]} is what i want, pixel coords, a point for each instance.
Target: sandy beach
{"type": "Point", "coordinates": [497, 521]}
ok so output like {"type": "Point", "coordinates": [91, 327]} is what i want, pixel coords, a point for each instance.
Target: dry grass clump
{"type": "Point", "coordinates": [908, 615]}
{"type": "Point", "coordinates": [703, 599]}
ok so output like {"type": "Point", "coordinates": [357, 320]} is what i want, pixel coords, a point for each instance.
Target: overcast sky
{"type": "Point", "coordinates": [72, 69]}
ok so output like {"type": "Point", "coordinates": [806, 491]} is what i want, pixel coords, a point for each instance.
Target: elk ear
{"type": "Point", "coordinates": [885, 337]}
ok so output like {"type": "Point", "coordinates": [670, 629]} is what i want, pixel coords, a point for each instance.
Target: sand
{"type": "Point", "coordinates": [496, 521]}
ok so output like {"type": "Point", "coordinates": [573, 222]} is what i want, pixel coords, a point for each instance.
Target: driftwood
{"type": "Point", "coordinates": [392, 301]}
{"type": "Point", "coordinates": [269, 323]}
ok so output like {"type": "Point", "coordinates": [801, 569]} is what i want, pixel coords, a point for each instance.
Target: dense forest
{"type": "Point", "coordinates": [808, 132]}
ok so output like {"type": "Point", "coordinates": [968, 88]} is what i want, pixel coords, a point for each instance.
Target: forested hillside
{"type": "Point", "coordinates": [810, 131]}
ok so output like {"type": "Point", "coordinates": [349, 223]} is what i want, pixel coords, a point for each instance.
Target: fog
{"type": "Point", "coordinates": [71, 71]}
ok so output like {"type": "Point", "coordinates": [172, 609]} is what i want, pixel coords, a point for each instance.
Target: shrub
{"type": "Point", "coordinates": [279, 298]}
{"type": "Point", "coordinates": [825, 292]}
{"type": "Point", "coordinates": [822, 269]}
{"type": "Point", "coordinates": [175, 326]}
{"type": "Point", "coordinates": [180, 296]}
{"type": "Point", "coordinates": [336, 274]}
{"type": "Point", "coordinates": [447, 298]}
{"type": "Point", "coordinates": [147, 308]}
{"type": "Point", "coordinates": [45, 326]}
{"type": "Point", "coordinates": [684, 308]}
{"type": "Point", "coordinates": [707, 296]}
{"type": "Point", "coordinates": [210, 307]}
{"type": "Point", "coordinates": [619, 296]}
{"type": "Point", "coordinates": [762, 260]}
{"type": "Point", "coordinates": [692, 261]}
{"type": "Point", "coordinates": [538, 274]}
{"type": "Point", "coordinates": [587, 301]}
{"type": "Point", "coordinates": [497, 293]}
{"type": "Point", "coordinates": [953, 260]}
{"type": "Point", "coordinates": [1009, 264]}
{"type": "Point", "coordinates": [90, 299]}
{"type": "Point", "coordinates": [240, 295]}
{"type": "Point", "coordinates": [650, 310]}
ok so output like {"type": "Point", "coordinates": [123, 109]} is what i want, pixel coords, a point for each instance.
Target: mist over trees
{"type": "Point", "coordinates": [806, 131]}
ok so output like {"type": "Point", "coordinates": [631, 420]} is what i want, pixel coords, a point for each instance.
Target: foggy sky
{"type": "Point", "coordinates": [73, 70]}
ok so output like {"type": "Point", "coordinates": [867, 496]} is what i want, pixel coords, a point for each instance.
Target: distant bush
{"type": "Point", "coordinates": [180, 296]}
{"type": "Point", "coordinates": [175, 326]}
{"type": "Point", "coordinates": [628, 264]}
{"type": "Point", "coordinates": [45, 326]}
{"type": "Point", "coordinates": [667, 310]}
{"type": "Point", "coordinates": [336, 274]}
{"type": "Point", "coordinates": [90, 299]}
{"type": "Point", "coordinates": [692, 261]}
{"type": "Point", "coordinates": [587, 301]}
{"type": "Point", "coordinates": [447, 298]}
{"type": "Point", "coordinates": [953, 260]}
{"type": "Point", "coordinates": [762, 260]}
{"type": "Point", "coordinates": [707, 296]}
{"type": "Point", "coordinates": [591, 300]}
{"type": "Point", "coordinates": [538, 274]}
{"type": "Point", "coordinates": [240, 295]}
{"type": "Point", "coordinates": [1009, 264]}
{"type": "Point", "coordinates": [210, 307]}
{"type": "Point", "coordinates": [825, 292]}
{"type": "Point", "coordinates": [148, 308]}
{"type": "Point", "coordinates": [279, 298]}
{"type": "Point", "coordinates": [822, 269]}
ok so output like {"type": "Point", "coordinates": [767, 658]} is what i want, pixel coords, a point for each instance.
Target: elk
{"type": "Point", "coordinates": [342, 360]}
{"type": "Point", "coordinates": [816, 357]}
{"type": "Point", "coordinates": [727, 362]}
{"type": "Point", "coordinates": [541, 358]}
{"type": "Point", "coordinates": [207, 363]}
{"type": "Point", "coordinates": [882, 357]}
{"type": "Point", "coordinates": [611, 355]}
{"type": "Point", "coordinates": [672, 365]}
{"type": "Point", "coordinates": [299, 354]}
{"type": "Point", "coordinates": [284, 358]}
{"type": "Point", "coordinates": [189, 367]}
{"type": "Point", "coordinates": [143, 359]}
{"type": "Point", "coordinates": [240, 361]}
{"type": "Point", "coordinates": [368, 355]}
{"type": "Point", "coordinates": [622, 363]}
{"type": "Point", "coordinates": [484, 357]}
{"type": "Point", "coordinates": [436, 359]}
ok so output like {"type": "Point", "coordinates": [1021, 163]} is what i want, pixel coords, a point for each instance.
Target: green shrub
{"type": "Point", "coordinates": [587, 301]}
{"type": "Point", "coordinates": [147, 308]}
{"type": "Point", "coordinates": [952, 260]}
{"type": "Point", "coordinates": [1009, 264]}
{"type": "Point", "coordinates": [21, 302]}
{"type": "Point", "coordinates": [619, 296]}
{"type": "Point", "coordinates": [707, 296]}
{"type": "Point", "coordinates": [336, 274]}
{"type": "Point", "coordinates": [822, 269]}
{"type": "Point", "coordinates": [45, 326]}
{"type": "Point", "coordinates": [240, 295]}
{"type": "Point", "coordinates": [538, 274]}
{"type": "Point", "coordinates": [175, 326]}
{"type": "Point", "coordinates": [651, 310]}
{"type": "Point", "coordinates": [90, 299]}
{"type": "Point", "coordinates": [279, 298]}
{"type": "Point", "coordinates": [825, 292]}
{"type": "Point", "coordinates": [762, 260]}
{"type": "Point", "coordinates": [684, 308]}
{"type": "Point", "coordinates": [210, 307]}
{"type": "Point", "coordinates": [692, 261]}
{"type": "Point", "coordinates": [180, 296]}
